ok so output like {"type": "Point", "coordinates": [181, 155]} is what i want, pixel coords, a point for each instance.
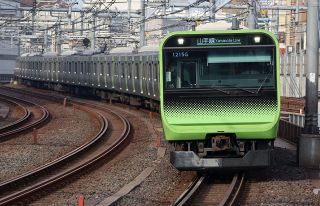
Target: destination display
{"type": "Point", "coordinates": [219, 40]}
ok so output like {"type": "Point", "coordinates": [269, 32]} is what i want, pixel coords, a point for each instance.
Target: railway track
{"type": "Point", "coordinates": [24, 117]}
{"type": "Point", "coordinates": [114, 131]}
{"type": "Point", "coordinates": [29, 120]}
{"type": "Point", "coordinates": [206, 190]}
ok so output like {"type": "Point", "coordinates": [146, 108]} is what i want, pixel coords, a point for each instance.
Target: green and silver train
{"type": "Point", "coordinates": [219, 97]}
{"type": "Point", "coordinates": [218, 91]}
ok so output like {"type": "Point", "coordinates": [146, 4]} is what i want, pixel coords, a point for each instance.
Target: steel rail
{"type": "Point", "coordinates": [36, 124]}
{"type": "Point", "coordinates": [234, 190]}
{"type": "Point", "coordinates": [19, 195]}
{"type": "Point", "coordinates": [229, 199]}
{"type": "Point", "coordinates": [191, 189]}
{"type": "Point", "coordinates": [23, 119]}
{"type": "Point", "coordinates": [47, 183]}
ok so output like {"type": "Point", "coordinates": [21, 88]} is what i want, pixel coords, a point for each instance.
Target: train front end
{"type": "Point", "coordinates": [219, 96]}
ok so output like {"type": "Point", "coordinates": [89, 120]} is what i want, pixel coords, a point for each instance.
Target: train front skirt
{"type": "Point", "coordinates": [188, 160]}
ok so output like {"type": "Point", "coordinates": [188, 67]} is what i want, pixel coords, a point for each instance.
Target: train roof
{"type": "Point", "coordinates": [153, 49]}
{"type": "Point", "coordinates": [122, 50]}
{"type": "Point", "coordinates": [69, 53]}
{"type": "Point", "coordinates": [50, 54]}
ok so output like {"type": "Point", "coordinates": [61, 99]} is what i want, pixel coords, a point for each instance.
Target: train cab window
{"type": "Point", "coordinates": [248, 67]}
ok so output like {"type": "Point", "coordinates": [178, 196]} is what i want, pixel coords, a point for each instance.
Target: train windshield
{"type": "Point", "coordinates": [227, 67]}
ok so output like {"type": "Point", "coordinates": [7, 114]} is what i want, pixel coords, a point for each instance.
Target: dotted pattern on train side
{"type": "Point", "coordinates": [219, 107]}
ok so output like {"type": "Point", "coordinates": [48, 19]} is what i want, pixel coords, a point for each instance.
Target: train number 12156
{"type": "Point", "coordinates": [180, 54]}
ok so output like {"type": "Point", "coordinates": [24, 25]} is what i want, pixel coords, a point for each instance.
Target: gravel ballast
{"type": "Point", "coordinates": [66, 131]}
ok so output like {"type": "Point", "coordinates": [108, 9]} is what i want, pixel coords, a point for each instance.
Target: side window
{"type": "Point", "coordinates": [81, 68]}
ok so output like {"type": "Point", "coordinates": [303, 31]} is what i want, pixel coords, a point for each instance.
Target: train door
{"type": "Point", "coordinates": [94, 72]}
{"type": "Point", "coordinates": [68, 74]}
{"type": "Point", "coordinates": [122, 75]}
{"type": "Point", "coordinates": [101, 73]}
{"type": "Point", "coordinates": [75, 72]}
{"type": "Point", "coordinates": [87, 72]}
{"type": "Point", "coordinates": [39, 69]}
{"type": "Point", "coordinates": [114, 75]}
{"type": "Point", "coordinates": [155, 79]}
{"type": "Point", "coordinates": [108, 76]}
{"type": "Point", "coordinates": [144, 77]}
{"type": "Point", "coordinates": [186, 74]}
{"type": "Point", "coordinates": [126, 74]}
{"type": "Point", "coordinates": [116, 68]}
{"type": "Point", "coordinates": [130, 75]}
{"type": "Point", "coordinates": [49, 71]}
{"type": "Point", "coordinates": [34, 70]}
{"type": "Point", "coordinates": [136, 79]}
{"type": "Point", "coordinates": [81, 73]}
{"type": "Point", "coordinates": [149, 78]}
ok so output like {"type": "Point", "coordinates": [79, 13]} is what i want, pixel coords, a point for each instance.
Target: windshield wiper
{"type": "Point", "coordinates": [220, 90]}
{"type": "Point", "coordinates": [263, 82]}
{"type": "Point", "coordinates": [235, 87]}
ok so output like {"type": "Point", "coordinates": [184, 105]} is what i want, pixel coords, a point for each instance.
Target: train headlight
{"type": "Point", "coordinates": [257, 39]}
{"type": "Point", "coordinates": [180, 41]}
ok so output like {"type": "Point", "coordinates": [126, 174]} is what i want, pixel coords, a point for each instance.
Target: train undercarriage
{"type": "Point", "coordinates": [221, 152]}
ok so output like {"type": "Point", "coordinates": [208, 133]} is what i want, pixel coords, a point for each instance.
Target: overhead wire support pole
{"type": "Point", "coordinates": [311, 120]}
{"type": "Point", "coordinates": [142, 24]}
{"type": "Point", "coordinates": [309, 140]}
{"type": "Point", "coordinates": [82, 16]}
{"type": "Point", "coordinates": [34, 7]}
{"type": "Point", "coordinates": [129, 15]}
{"type": "Point", "coordinates": [212, 10]}
{"type": "Point", "coordinates": [93, 41]}
{"type": "Point", "coordinates": [251, 15]}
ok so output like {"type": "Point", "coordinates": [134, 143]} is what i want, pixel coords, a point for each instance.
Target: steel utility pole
{"type": "Point", "coordinates": [142, 24]}
{"type": "Point", "coordinates": [212, 10]}
{"type": "Point", "coordinates": [129, 14]}
{"type": "Point", "coordinates": [311, 121]}
{"type": "Point", "coordinates": [309, 142]}
{"type": "Point", "coordinates": [251, 15]}
{"type": "Point", "coordinates": [34, 7]}
{"type": "Point", "coordinates": [93, 40]}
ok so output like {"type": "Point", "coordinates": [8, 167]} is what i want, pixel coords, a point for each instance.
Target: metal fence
{"type": "Point", "coordinates": [293, 74]}
{"type": "Point", "coordinates": [6, 77]}
{"type": "Point", "coordinates": [289, 131]}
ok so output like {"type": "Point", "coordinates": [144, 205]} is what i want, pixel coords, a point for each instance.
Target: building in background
{"type": "Point", "coordinates": [8, 45]}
